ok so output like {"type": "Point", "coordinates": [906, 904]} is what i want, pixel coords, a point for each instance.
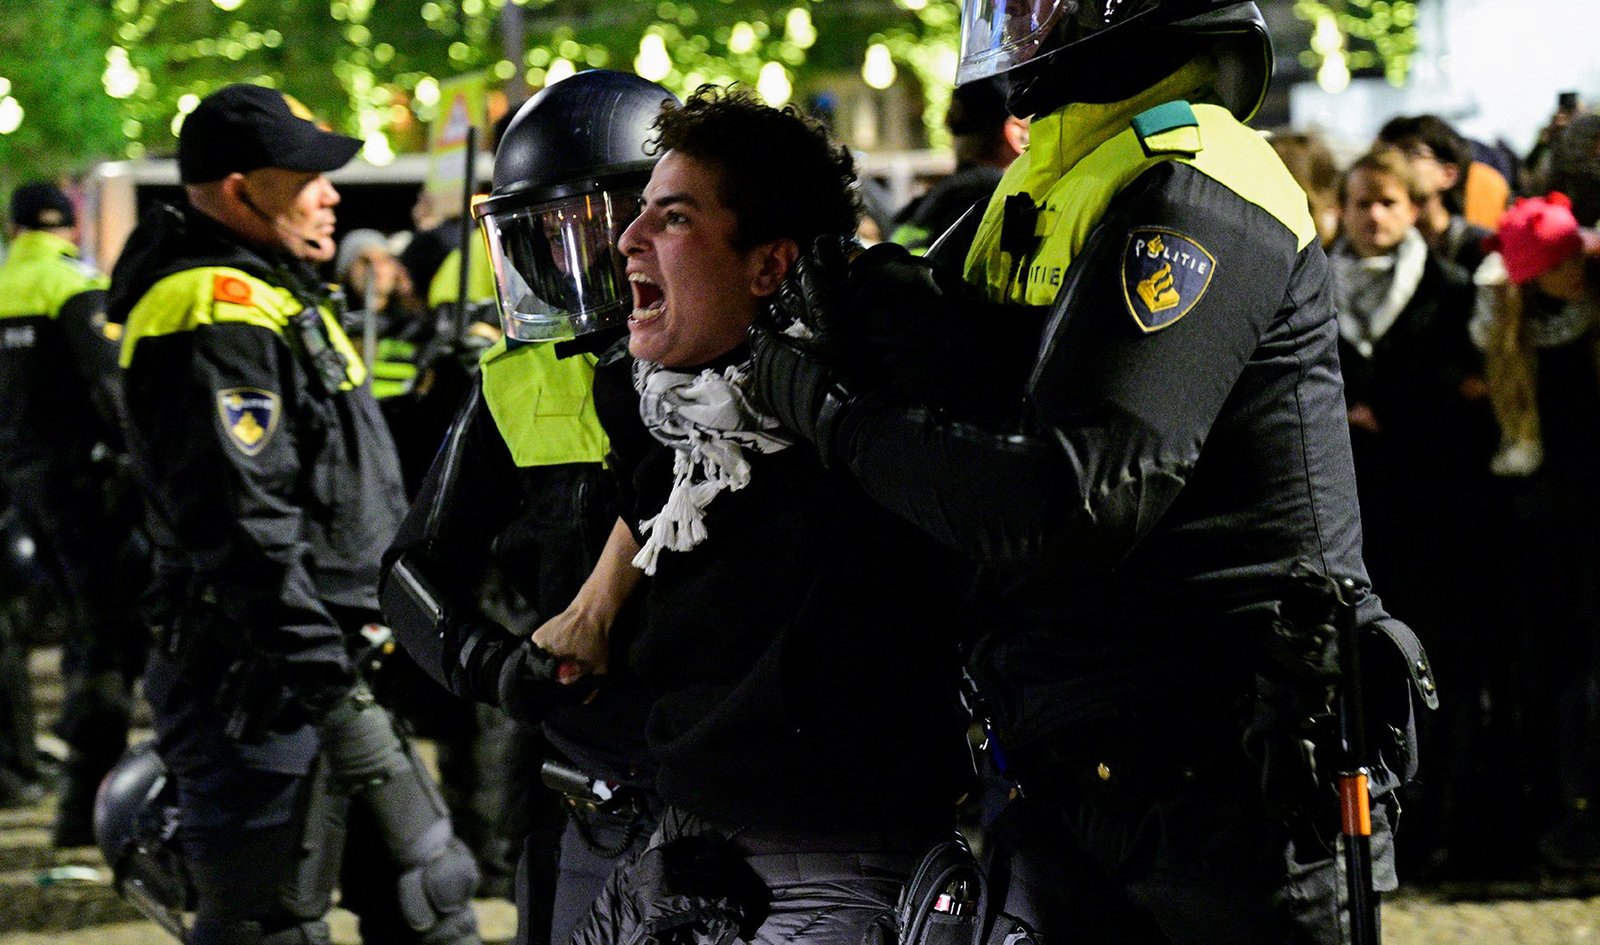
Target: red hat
{"type": "Point", "coordinates": [1538, 234]}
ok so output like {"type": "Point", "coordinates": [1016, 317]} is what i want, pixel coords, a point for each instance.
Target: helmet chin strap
{"type": "Point", "coordinates": [321, 244]}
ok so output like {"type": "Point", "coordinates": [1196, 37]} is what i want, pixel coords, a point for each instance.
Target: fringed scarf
{"type": "Point", "coordinates": [710, 423]}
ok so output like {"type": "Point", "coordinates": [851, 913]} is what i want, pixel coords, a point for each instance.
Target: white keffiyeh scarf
{"type": "Point", "coordinates": [709, 422]}
{"type": "Point", "coordinates": [1371, 293]}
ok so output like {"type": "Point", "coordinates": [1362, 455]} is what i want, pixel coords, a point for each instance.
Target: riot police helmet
{"type": "Point", "coordinates": [135, 825]}
{"type": "Point", "coordinates": [568, 176]}
{"type": "Point", "coordinates": [1055, 52]}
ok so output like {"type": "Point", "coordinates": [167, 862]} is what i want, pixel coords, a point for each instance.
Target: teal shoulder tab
{"type": "Point", "coordinates": [1165, 117]}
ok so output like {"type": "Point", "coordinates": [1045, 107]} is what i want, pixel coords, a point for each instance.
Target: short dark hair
{"type": "Point", "coordinates": [1447, 145]}
{"type": "Point", "coordinates": [781, 173]}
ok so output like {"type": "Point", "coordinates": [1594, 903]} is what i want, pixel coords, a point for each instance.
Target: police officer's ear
{"type": "Point", "coordinates": [1015, 132]}
{"type": "Point", "coordinates": [236, 190]}
{"type": "Point", "coordinates": [770, 263]}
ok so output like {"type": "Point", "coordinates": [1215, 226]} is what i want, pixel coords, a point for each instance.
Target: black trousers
{"type": "Point", "coordinates": [1195, 862]}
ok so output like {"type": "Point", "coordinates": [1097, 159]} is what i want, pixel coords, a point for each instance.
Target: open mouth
{"type": "Point", "coordinates": [648, 300]}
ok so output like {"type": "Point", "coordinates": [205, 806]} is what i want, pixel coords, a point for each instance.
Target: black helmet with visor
{"type": "Point", "coordinates": [1059, 51]}
{"type": "Point", "coordinates": [567, 181]}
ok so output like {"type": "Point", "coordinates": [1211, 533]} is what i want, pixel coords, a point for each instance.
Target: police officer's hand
{"type": "Point", "coordinates": [531, 683]}
{"type": "Point", "coordinates": [811, 296]}
{"type": "Point", "coordinates": [800, 370]}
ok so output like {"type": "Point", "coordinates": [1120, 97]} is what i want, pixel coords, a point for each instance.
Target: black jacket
{"type": "Point", "coordinates": [57, 367]}
{"type": "Point", "coordinates": [271, 495]}
{"type": "Point", "coordinates": [1156, 490]}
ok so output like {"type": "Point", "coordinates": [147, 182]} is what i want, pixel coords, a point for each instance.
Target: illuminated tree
{"type": "Point", "coordinates": [135, 67]}
{"type": "Point", "coordinates": [1385, 31]}
{"type": "Point", "coordinates": [54, 117]}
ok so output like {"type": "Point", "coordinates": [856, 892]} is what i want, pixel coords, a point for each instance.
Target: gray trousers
{"type": "Point", "coordinates": [700, 884]}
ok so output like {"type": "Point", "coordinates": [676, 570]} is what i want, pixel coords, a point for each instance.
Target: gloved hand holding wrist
{"type": "Point", "coordinates": [529, 684]}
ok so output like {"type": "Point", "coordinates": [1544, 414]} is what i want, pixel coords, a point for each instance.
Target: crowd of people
{"type": "Point", "coordinates": [703, 538]}
{"type": "Point", "coordinates": [1464, 286]}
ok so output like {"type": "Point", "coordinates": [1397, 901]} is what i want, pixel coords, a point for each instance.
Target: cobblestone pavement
{"type": "Point", "coordinates": [43, 903]}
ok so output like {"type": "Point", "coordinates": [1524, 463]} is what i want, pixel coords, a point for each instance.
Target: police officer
{"type": "Point", "coordinates": [986, 139]}
{"type": "Point", "coordinates": [272, 490]}
{"type": "Point", "coordinates": [521, 489]}
{"type": "Point", "coordinates": [57, 373]}
{"type": "Point", "coordinates": [1172, 498]}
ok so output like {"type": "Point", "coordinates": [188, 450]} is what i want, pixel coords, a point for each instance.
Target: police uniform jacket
{"type": "Point", "coordinates": [520, 490]}
{"type": "Point", "coordinates": [1182, 439]}
{"type": "Point", "coordinates": [52, 352]}
{"type": "Point", "coordinates": [273, 482]}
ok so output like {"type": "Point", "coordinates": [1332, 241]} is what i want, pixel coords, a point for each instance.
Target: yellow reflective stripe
{"type": "Point", "coordinates": [392, 378]}
{"type": "Point", "coordinates": [186, 300]}
{"type": "Point", "coordinates": [480, 276]}
{"type": "Point", "coordinates": [355, 369]}
{"type": "Point", "coordinates": [41, 272]}
{"type": "Point", "coordinates": [543, 406]}
{"type": "Point", "coordinates": [1236, 157]}
{"type": "Point", "coordinates": [1242, 161]}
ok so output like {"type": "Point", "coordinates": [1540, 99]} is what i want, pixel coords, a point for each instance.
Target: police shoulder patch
{"type": "Point", "coordinates": [250, 417]}
{"type": "Point", "coordinates": [226, 288]}
{"type": "Point", "coordinates": [1164, 275]}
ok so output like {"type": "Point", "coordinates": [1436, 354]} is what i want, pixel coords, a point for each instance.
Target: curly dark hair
{"type": "Point", "coordinates": [781, 173]}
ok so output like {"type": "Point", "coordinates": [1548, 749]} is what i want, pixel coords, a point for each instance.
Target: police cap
{"type": "Point", "coordinates": [245, 127]}
{"type": "Point", "coordinates": [39, 206]}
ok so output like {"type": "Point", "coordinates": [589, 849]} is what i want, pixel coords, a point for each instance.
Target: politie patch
{"type": "Point", "coordinates": [250, 415]}
{"type": "Point", "coordinates": [1164, 275]}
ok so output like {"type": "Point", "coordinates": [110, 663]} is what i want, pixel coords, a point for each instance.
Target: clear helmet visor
{"type": "Point", "coordinates": [999, 35]}
{"type": "Point", "coordinates": [558, 273]}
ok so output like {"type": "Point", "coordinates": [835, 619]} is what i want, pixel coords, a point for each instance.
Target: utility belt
{"type": "Point", "coordinates": [211, 652]}
{"type": "Point", "coordinates": [1133, 757]}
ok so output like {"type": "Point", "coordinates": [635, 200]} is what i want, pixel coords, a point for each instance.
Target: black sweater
{"type": "Point", "coordinates": [803, 654]}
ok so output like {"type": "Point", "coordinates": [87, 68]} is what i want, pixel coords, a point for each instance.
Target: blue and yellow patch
{"type": "Point", "coordinates": [1164, 275]}
{"type": "Point", "coordinates": [250, 415]}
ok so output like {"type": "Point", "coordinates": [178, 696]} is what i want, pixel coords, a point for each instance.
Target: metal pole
{"type": "Point", "coordinates": [369, 321]}
{"type": "Point", "coordinates": [1355, 799]}
{"type": "Point", "coordinates": [469, 186]}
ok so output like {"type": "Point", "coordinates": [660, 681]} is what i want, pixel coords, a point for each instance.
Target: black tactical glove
{"type": "Point", "coordinates": [529, 684]}
{"type": "Point", "coordinates": [800, 374]}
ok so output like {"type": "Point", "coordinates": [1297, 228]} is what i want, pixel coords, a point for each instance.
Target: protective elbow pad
{"type": "Point", "coordinates": [436, 896]}
{"type": "Point", "coordinates": [367, 758]}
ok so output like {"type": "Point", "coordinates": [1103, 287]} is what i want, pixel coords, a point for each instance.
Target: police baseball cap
{"type": "Point", "coordinates": [977, 107]}
{"type": "Point", "coordinates": [246, 127]}
{"type": "Point", "coordinates": [40, 205]}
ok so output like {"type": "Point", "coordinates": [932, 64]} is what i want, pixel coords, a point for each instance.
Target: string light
{"type": "Point", "coordinates": [653, 62]}
{"type": "Point", "coordinates": [773, 84]}
{"type": "Point", "coordinates": [878, 69]}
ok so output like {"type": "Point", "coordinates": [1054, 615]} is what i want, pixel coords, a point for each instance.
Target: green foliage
{"type": "Point", "coordinates": [53, 55]}
{"type": "Point", "coordinates": [110, 78]}
{"type": "Point", "coordinates": [1386, 28]}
